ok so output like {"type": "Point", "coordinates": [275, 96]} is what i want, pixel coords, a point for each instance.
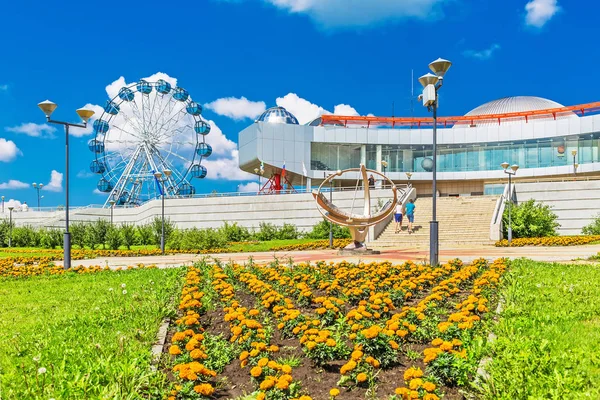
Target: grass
{"type": "Point", "coordinates": [237, 247]}
{"type": "Point", "coordinates": [548, 343]}
{"type": "Point", "coordinates": [92, 340]}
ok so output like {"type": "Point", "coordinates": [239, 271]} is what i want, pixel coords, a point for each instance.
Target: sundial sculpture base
{"type": "Point", "coordinates": [357, 223]}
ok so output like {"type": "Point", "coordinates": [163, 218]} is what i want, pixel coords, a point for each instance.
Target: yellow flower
{"type": "Point", "coordinates": [174, 350]}
{"type": "Point", "coordinates": [361, 377]}
{"type": "Point", "coordinates": [334, 392]}
{"type": "Point", "coordinates": [429, 386]}
{"type": "Point", "coordinates": [204, 389]}
{"type": "Point", "coordinates": [256, 371]}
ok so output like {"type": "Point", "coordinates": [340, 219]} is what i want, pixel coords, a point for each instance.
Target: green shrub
{"type": "Point", "coordinates": [530, 219]}
{"type": "Point", "coordinates": [128, 237]}
{"type": "Point", "coordinates": [288, 231]}
{"type": "Point", "coordinates": [4, 232]}
{"type": "Point", "coordinates": [113, 238]}
{"type": "Point", "coordinates": [25, 236]}
{"type": "Point", "coordinates": [96, 233]}
{"type": "Point", "coordinates": [144, 234]}
{"type": "Point", "coordinates": [266, 232]}
{"type": "Point", "coordinates": [321, 231]}
{"type": "Point", "coordinates": [157, 229]}
{"type": "Point", "coordinates": [593, 228]}
{"type": "Point", "coordinates": [234, 232]}
{"type": "Point", "coordinates": [51, 238]}
{"type": "Point", "coordinates": [79, 234]}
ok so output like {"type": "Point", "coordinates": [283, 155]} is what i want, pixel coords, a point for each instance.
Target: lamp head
{"type": "Point", "coordinates": [440, 67]}
{"type": "Point", "coordinates": [2, 198]}
{"type": "Point", "coordinates": [47, 107]}
{"type": "Point", "coordinates": [384, 163]}
{"type": "Point", "coordinates": [514, 167]}
{"type": "Point", "coordinates": [167, 172]}
{"type": "Point", "coordinates": [111, 202]}
{"type": "Point", "coordinates": [11, 208]}
{"type": "Point", "coordinates": [41, 185]}
{"type": "Point", "coordinates": [576, 165]}
{"type": "Point", "coordinates": [158, 175]}
{"type": "Point", "coordinates": [34, 184]}
{"type": "Point", "coordinates": [574, 153]}
{"type": "Point", "coordinates": [409, 175]}
{"type": "Point", "coordinates": [505, 165]}
{"type": "Point", "coordinates": [84, 114]}
{"type": "Point", "coordinates": [428, 79]}
{"type": "Point", "coordinates": [256, 170]}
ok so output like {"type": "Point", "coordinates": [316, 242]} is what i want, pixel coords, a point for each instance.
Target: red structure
{"type": "Point", "coordinates": [276, 184]}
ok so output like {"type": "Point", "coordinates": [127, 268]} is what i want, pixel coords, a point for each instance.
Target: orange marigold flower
{"type": "Point", "coordinates": [361, 377]}
{"type": "Point", "coordinates": [256, 371]}
{"type": "Point", "coordinates": [429, 386]}
{"type": "Point", "coordinates": [174, 350]}
{"type": "Point", "coordinates": [204, 389]}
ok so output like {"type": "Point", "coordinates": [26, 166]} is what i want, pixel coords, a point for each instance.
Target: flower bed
{"type": "Point", "coordinates": [332, 330]}
{"type": "Point", "coordinates": [551, 241]}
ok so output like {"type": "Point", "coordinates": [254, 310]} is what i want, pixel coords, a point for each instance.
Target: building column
{"type": "Point", "coordinates": [363, 154]}
{"type": "Point", "coordinates": [308, 183]}
{"type": "Point", "coordinates": [378, 158]}
{"type": "Point", "coordinates": [407, 160]}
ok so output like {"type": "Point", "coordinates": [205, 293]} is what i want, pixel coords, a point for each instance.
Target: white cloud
{"type": "Point", "coordinates": [96, 191]}
{"type": "Point", "coordinates": [8, 150]}
{"type": "Point", "coordinates": [485, 54]}
{"type": "Point", "coordinates": [218, 141]}
{"type": "Point", "coordinates": [14, 184]}
{"type": "Point", "coordinates": [540, 11]}
{"type": "Point", "coordinates": [237, 109]}
{"type": "Point", "coordinates": [249, 187]}
{"type": "Point", "coordinates": [16, 204]}
{"type": "Point", "coordinates": [85, 174]}
{"type": "Point", "coordinates": [344, 109]}
{"type": "Point", "coordinates": [305, 111]}
{"type": "Point", "coordinates": [332, 14]}
{"type": "Point", "coordinates": [227, 168]}
{"type": "Point", "coordinates": [55, 184]}
{"type": "Point", "coordinates": [33, 129]}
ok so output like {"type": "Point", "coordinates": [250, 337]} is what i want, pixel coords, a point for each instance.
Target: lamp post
{"type": "Point", "coordinates": [159, 177]}
{"type": "Point", "coordinates": [575, 164]}
{"type": "Point", "coordinates": [10, 226]}
{"type": "Point", "coordinates": [259, 171]}
{"type": "Point", "coordinates": [331, 201]}
{"type": "Point", "coordinates": [384, 165]}
{"type": "Point", "coordinates": [48, 108]}
{"type": "Point", "coordinates": [408, 175]}
{"type": "Point", "coordinates": [2, 204]}
{"type": "Point", "coordinates": [112, 203]}
{"type": "Point", "coordinates": [38, 188]}
{"type": "Point", "coordinates": [431, 84]}
{"type": "Point", "coordinates": [510, 173]}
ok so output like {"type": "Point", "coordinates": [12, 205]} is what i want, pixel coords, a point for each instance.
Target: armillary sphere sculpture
{"type": "Point", "coordinates": [358, 223]}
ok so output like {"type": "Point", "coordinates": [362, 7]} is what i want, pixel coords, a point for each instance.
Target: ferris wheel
{"type": "Point", "coordinates": [149, 127]}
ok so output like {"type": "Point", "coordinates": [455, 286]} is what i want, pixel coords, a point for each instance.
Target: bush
{"type": "Point", "coordinates": [96, 233]}
{"type": "Point", "coordinates": [128, 235]}
{"type": "Point", "coordinates": [145, 233]}
{"type": "Point", "coordinates": [593, 228]}
{"type": "Point", "coordinates": [157, 229]}
{"type": "Point", "coordinates": [51, 238]}
{"type": "Point", "coordinates": [196, 239]}
{"type": "Point", "coordinates": [530, 219]}
{"type": "Point", "coordinates": [321, 231]}
{"type": "Point", "coordinates": [288, 231]}
{"type": "Point", "coordinates": [25, 236]}
{"type": "Point", "coordinates": [79, 234]}
{"type": "Point", "coordinates": [4, 232]}
{"type": "Point", "coordinates": [266, 232]}
{"type": "Point", "coordinates": [113, 238]}
{"type": "Point", "coordinates": [234, 232]}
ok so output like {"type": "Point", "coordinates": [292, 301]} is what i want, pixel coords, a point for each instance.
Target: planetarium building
{"type": "Point", "coordinates": [548, 141]}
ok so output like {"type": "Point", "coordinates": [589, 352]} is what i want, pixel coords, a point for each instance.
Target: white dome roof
{"type": "Point", "coordinates": [514, 104]}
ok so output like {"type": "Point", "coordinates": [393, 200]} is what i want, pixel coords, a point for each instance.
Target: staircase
{"type": "Point", "coordinates": [462, 221]}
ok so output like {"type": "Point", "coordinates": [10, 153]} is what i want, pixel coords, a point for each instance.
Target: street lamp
{"type": "Point", "coordinates": [431, 84]}
{"type": "Point", "coordinates": [38, 188]}
{"type": "Point", "coordinates": [575, 164]}
{"type": "Point", "coordinates": [513, 171]}
{"type": "Point", "coordinates": [10, 226]}
{"type": "Point", "coordinates": [330, 201]}
{"type": "Point", "coordinates": [384, 164]}
{"type": "Point", "coordinates": [259, 172]}
{"type": "Point", "coordinates": [48, 108]}
{"type": "Point", "coordinates": [159, 178]}
{"type": "Point", "coordinates": [112, 206]}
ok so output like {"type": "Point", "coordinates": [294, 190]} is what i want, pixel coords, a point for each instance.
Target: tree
{"type": "Point", "coordinates": [78, 234]}
{"type": "Point", "coordinates": [128, 235]}
{"type": "Point", "coordinates": [593, 228]}
{"type": "Point", "coordinates": [113, 238]}
{"type": "Point", "coordinates": [157, 229]}
{"type": "Point", "coordinates": [530, 219]}
{"type": "Point", "coordinates": [145, 233]}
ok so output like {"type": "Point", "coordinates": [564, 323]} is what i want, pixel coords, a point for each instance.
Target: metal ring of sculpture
{"type": "Point", "coordinates": [149, 127]}
{"type": "Point", "coordinates": [358, 223]}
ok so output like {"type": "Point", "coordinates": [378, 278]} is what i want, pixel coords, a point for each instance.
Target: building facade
{"type": "Point", "coordinates": [547, 140]}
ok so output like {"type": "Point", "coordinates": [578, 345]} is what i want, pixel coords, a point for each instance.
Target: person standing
{"type": "Point", "coordinates": [371, 182]}
{"type": "Point", "coordinates": [410, 214]}
{"type": "Point", "coordinates": [398, 217]}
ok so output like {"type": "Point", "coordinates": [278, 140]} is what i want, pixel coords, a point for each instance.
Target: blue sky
{"type": "Point", "coordinates": [237, 57]}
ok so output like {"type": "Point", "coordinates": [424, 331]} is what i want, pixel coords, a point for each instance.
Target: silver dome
{"type": "Point", "coordinates": [278, 115]}
{"type": "Point", "coordinates": [516, 104]}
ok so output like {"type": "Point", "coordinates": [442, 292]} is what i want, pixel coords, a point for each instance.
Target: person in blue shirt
{"type": "Point", "coordinates": [410, 214]}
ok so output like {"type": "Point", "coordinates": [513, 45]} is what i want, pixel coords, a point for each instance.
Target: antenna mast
{"type": "Point", "coordinates": [412, 93]}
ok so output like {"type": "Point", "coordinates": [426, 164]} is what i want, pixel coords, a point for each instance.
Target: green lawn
{"type": "Point", "coordinates": [548, 344]}
{"type": "Point", "coordinates": [90, 337]}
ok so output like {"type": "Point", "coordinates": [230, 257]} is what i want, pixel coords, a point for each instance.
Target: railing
{"type": "Point", "coordinates": [496, 226]}
{"type": "Point", "coordinates": [525, 116]}
{"type": "Point", "coordinates": [407, 193]}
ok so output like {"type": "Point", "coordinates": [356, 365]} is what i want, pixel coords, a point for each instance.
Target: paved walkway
{"type": "Point", "coordinates": [466, 254]}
